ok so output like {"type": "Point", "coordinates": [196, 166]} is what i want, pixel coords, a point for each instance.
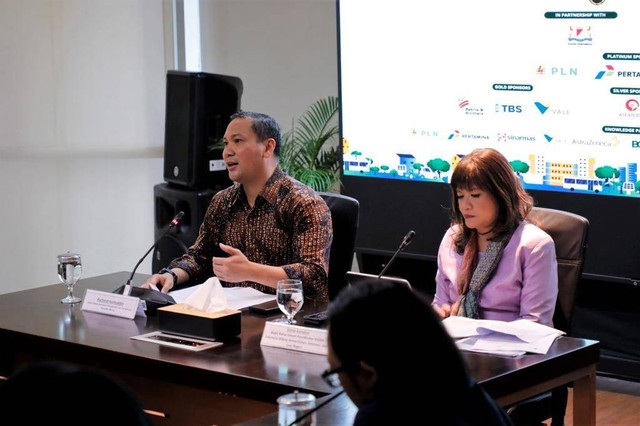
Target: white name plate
{"type": "Point", "coordinates": [295, 337]}
{"type": "Point", "coordinates": [113, 304]}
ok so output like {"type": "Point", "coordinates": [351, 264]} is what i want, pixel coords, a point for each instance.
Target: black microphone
{"type": "Point", "coordinates": [310, 412]}
{"type": "Point", "coordinates": [173, 223]}
{"type": "Point", "coordinates": [405, 242]}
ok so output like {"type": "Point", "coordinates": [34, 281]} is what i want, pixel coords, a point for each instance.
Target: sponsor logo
{"type": "Point", "coordinates": [465, 105]}
{"type": "Point", "coordinates": [505, 137]}
{"type": "Point", "coordinates": [542, 108]}
{"type": "Point", "coordinates": [509, 108]}
{"type": "Point", "coordinates": [457, 134]}
{"type": "Point", "coordinates": [580, 36]}
{"type": "Point", "coordinates": [606, 73]}
{"type": "Point", "coordinates": [557, 71]}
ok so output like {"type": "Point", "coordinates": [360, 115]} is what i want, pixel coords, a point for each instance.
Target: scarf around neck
{"type": "Point", "coordinates": [468, 299]}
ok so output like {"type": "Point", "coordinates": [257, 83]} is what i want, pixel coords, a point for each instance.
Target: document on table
{"type": "Point", "coordinates": [511, 338]}
{"type": "Point", "coordinates": [237, 297]}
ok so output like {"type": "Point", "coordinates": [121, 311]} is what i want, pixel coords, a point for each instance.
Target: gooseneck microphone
{"type": "Point", "coordinates": [405, 242]}
{"type": "Point", "coordinates": [176, 220]}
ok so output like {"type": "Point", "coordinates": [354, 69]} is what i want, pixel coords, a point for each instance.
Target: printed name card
{"type": "Point", "coordinates": [295, 337]}
{"type": "Point", "coordinates": [112, 304]}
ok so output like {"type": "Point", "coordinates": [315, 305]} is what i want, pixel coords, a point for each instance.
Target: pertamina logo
{"type": "Point", "coordinates": [606, 73]}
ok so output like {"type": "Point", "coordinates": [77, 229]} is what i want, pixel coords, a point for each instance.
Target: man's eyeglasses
{"type": "Point", "coordinates": [330, 376]}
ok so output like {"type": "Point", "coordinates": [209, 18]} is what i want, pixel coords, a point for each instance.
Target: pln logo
{"type": "Point", "coordinates": [606, 73]}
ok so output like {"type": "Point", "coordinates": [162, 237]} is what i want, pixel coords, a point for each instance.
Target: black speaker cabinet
{"type": "Point", "coordinates": [198, 108]}
{"type": "Point", "coordinates": [169, 200]}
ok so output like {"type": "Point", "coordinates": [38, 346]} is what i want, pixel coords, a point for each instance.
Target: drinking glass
{"type": "Point", "coordinates": [293, 406]}
{"type": "Point", "coordinates": [290, 298]}
{"type": "Point", "coordinates": [69, 270]}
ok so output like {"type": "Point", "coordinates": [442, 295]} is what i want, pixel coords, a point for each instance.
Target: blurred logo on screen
{"type": "Point", "coordinates": [509, 108]}
{"type": "Point", "coordinates": [606, 73]}
{"type": "Point", "coordinates": [557, 71]}
{"type": "Point", "coordinates": [465, 105]}
{"type": "Point", "coordinates": [580, 36]}
{"type": "Point", "coordinates": [542, 108]}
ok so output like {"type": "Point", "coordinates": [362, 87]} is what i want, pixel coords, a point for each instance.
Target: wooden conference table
{"type": "Point", "coordinates": [240, 381]}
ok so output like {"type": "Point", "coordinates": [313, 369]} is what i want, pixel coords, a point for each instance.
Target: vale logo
{"type": "Point", "coordinates": [542, 108]}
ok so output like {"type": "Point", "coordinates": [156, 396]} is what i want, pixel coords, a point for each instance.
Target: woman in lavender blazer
{"type": "Point", "coordinates": [492, 262]}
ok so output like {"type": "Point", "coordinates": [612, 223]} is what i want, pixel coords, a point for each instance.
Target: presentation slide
{"type": "Point", "coordinates": [553, 85]}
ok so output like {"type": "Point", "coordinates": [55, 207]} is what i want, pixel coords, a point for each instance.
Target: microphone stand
{"type": "Point", "coordinates": [405, 242]}
{"type": "Point", "coordinates": [127, 287]}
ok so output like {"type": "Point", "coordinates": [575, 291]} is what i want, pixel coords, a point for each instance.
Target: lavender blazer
{"type": "Point", "coordinates": [524, 285]}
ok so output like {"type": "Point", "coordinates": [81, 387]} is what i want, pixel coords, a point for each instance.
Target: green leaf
{"type": "Point", "coordinates": [306, 154]}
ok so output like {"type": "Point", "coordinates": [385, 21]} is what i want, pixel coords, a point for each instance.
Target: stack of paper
{"type": "Point", "coordinates": [237, 297]}
{"type": "Point", "coordinates": [499, 337]}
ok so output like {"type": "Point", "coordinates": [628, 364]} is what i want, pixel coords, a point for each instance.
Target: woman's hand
{"type": "Point", "coordinates": [443, 310]}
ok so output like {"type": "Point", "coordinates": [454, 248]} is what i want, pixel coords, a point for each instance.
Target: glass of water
{"type": "Point", "coordinates": [290, 298]}
{"type": "Point", "coordinates": [293, 406]}
{"type": "Point", "coordinates": [69, 271]}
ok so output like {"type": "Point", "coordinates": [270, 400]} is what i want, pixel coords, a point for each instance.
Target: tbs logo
{"type": "Point", "coordinates": [509, 108]}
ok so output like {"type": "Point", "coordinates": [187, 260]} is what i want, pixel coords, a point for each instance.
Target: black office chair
{"type": "Point", "coordinates": [345, 213]}
{"type": "Point", "coordinates": [570, 233]}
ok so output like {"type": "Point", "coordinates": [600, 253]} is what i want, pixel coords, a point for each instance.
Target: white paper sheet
{"type": "Point", "coordinates": [237, 297]}
{"type": "Point", "coordinates": [500, 337]}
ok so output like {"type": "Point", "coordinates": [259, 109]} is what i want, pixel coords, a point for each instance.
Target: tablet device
{"type": "Point", "coordinates": [354, 278]}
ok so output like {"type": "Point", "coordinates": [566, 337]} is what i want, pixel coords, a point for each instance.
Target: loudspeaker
{"type": "Point", "coordinates": [198, 108]}
{"type": "Point", "coordinates": [169, 200]}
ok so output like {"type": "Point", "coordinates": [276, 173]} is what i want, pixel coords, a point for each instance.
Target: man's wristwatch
{"type": "Point", "coordinates": [173, 274]}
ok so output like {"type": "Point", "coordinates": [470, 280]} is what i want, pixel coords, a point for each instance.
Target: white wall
{"type": "Point", "coordinates": [82, 115]}
{"type": "Point", "coordinates": [285, 51]}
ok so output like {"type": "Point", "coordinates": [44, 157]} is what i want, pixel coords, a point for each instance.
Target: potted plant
{"type": "Point", "coordinates": [310, 151]}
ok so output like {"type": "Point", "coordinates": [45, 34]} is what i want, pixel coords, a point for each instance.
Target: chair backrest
{"type": "Point", "coordinates": [570, 233]}
{"type": "Point", "coordinates": [345, 214]}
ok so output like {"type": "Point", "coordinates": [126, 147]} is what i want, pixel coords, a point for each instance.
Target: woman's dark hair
{"type": "Point", "coordinates": [487, 169]}
{"type": "Point", "coordinates": [264, 126]}
{"type": "Point", "coordinates": [395, 330]}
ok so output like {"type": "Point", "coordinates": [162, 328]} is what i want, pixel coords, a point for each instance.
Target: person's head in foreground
{"type": "Point", "coordinates": [397, 363]}
{"type": "Point", "coordinates": [56, 392]}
